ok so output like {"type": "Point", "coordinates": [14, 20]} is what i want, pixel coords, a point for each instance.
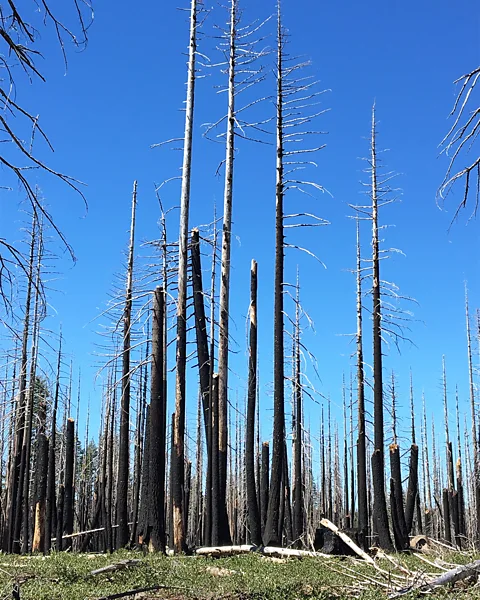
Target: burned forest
{"type": "Point", "coordinates": [243, 366]}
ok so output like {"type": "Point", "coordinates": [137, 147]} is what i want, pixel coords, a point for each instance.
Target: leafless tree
{"type": "Point", "coordinates": [460, 141]}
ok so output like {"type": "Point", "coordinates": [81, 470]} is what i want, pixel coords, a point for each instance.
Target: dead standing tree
{"type": "Point", "coordinates": [388, 322]}
{"type": "Point", "coordinates": [124, 435]}
{"type": "Point", "coordinates": [295, 95]}
{"type": "Point", "coordinates": [459, 141]}
{"type": "Point", "coordinates": [20, 46]}
{"type": "Point", "coordinates": [178, 450]}
{"type": "Point", "coordinates": [243, 67]}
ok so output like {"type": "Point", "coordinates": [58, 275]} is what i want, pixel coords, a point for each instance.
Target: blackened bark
{"type": "Point", "coordinates": [157, 428]}
{"type": "Point", "coordinates": [398, 516]}
{"type": "Point", "coordinates": [412, 490]}
{"type": "Point", "coordinates": [60, 503]}
{"type": "Point", "coordinates": [50, 508]}
{"type": "Point", "coordinates": [378, 462]}
{"type": "Point", "coordinates": [215, 535]}
{"type": "Point", "coordinates": [252, 502]}
{"type": "Point", "coordinates": [41, 468]}
{"type": "Point", "coordinates": [69, 496]}
{"type": "Point", "coordinates": [270, 534]}
{"type": "Point", "coordinates": [143, 518]}
{"type": "Point", "coordinates": [264, 483]}
{"type": "Point", "coordinates": [446, 518]}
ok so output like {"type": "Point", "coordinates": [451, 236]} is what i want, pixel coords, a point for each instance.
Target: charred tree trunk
{"type": "Point", "coordinates": [38, 543]}
{"type": "Point", "coordinates": [124, 435]}
{"type": "Point", "coordinates": [252, 502]}
{"type": "Point", "coordinates": [361, 441]}
{"type": "Point", "coordinates": [412, 490]}
{"type": "Point", "coordinates": [13, 506]}
{"type": "Point", "coordinates": [264, 483]}
{"type": "Point", "coordinates": [398, 514]}
{"type": "Point", "coordinates": [215, 540]}
{"type": "Point", "coordinates": [68, 509]}
{"type": "Point", "coordinates": [157, 428]}
{"type": "Point", "coordinates": [50, 508]}
{"type": "Point", "coordinates": [60, 519]}
{"type": "Point", "coordinates": [225, 279]}
{"type": "Point", "coordinates": [298, 491]}
{"type": "Point", "coordinates": [178, 452]}
{"type": "Point", "coordinates": [378, 461]}
{"type": "Point", "coordinates": [270, 535]}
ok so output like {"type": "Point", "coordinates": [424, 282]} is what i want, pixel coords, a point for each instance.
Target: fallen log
{"type": "Point", "coordinates": [449, 577]}
{"type": "Point", "coordinates": [266, 550]}
{"type": "Point", "coordinates": [136, 591]}
{"type": "Point", "coordinates": [344, 537]}
{"type": "Point", "coordinates": [225, 550]}
{"type": "Point", "coordinates": [123, 564]}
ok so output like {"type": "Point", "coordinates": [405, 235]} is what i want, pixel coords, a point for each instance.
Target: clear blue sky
{"type": "Point", "coordinates": [124, 92]}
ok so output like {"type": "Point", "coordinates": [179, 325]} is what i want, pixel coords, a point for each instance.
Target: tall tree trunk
{"type": "Point", "coordinates": [139, 436]}
{"type": "Point", "coordinates": [361, 440]}
{"type": "Point", "coordinates": [215, 535]}
{"type": "Point", "coordinates": [178, 453]}
{"type": "Point", "coordinates": [476, 461]}
{"type": "Point", "coordinates": [13, 506]}
{"type": "Point", "coordinates": [225, 279]}
{"type": "Point", "coordinates": [50, 508]}
{"type": "Point", "coordinates": [264, 483]}
{"type": "Point", "coordinates": [39, 506]}
{"type": "Point", "coordinates": [157, 428]}
{"type": "Point", "coordinates": [378, 460]}
{"type": "Point", "coordinates": [270, 536]}
{"type": "Point", "coordinates": [124, 435]}
{"type": "Point", "coordinates": [298, 490]}
{"type": "Point", "coordinates": [68, 509]}
{"type": "Point", "coordinates": [252, 502]}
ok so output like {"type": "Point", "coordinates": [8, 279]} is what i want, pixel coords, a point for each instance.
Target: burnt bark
{"type": "Point", "coordinates": [158, 405]}
{"type": "Point", "coordinates": [252, 502]}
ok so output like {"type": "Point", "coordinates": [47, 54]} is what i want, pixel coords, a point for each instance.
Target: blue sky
{"type": "Point", "coordinates": [124, 93]}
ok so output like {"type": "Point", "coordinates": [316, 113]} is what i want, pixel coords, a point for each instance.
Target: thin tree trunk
{"type": "Point", "coordinates": [156, 476]}
{"type": "Point", "coordinates": [476, 462]}
{"type": "Point", "coordinates": [178, 453]}
{"type": "Point", "coordinates": [50, 508]}
{"type": "Point", "coordinates": [225, 279]}
{"type": "Point", "coordinates": [14, 507]}
{"type": "Point", "coordinates": [252, 502]}
{"type": "Point", "coordinates": [378, 460]}
{"type": "Point", "coordinates": [124, 435]}
{"type": "Point", "coordinates": [270, 536]}
{"type": "Point", "coordinates": [361, 440]}
{"type": "Point", "coordinates": [298, 491]}
{"type": "Point", "coordinates": [68, 509]}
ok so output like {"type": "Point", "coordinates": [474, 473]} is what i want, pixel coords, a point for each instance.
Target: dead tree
{"type": "Point", "coordinates": [178, 450]}
{"type": "Point", "coordinates": [459, 141]}
{"type": "Point", "coordinates": [158, 407]}
{"type": "Point", "coordinates": [378, 460]}
{"type": "Point", "coordinates": [21, 41]}
{"type": "Point", "coordinates": [476, 458]}
{"type": "Point", "coordinates": [294, 93]}
{"type": "Point", "coordinates": [361, 440]}
{"type": "Point", "coordinates": [124, 435]}
{"type": "Point", "coordinates": [252, 500]}
{"type": "Point", "coordinates": [396, 492]}
{"type": "Point", "coordinates": [68, 506]}
{"type": "Point", "coordinates": [50, 509]}
{"type": "Point", "coordinates": [298, 517]}
{"type": "Point", "coordinates": [412, 500]}
{"type": "Point", "coordinates": [13, 508]}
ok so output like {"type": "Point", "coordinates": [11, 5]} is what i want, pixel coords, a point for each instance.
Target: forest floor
{"type": "Point", "coordinates": [247, 577]}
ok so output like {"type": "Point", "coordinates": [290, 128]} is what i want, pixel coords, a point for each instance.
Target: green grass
{"type": "Point", "coordinates": [249, 577]}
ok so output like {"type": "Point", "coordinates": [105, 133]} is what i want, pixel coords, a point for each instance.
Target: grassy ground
{"type": "Point", "coordinates": [248, 577]}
